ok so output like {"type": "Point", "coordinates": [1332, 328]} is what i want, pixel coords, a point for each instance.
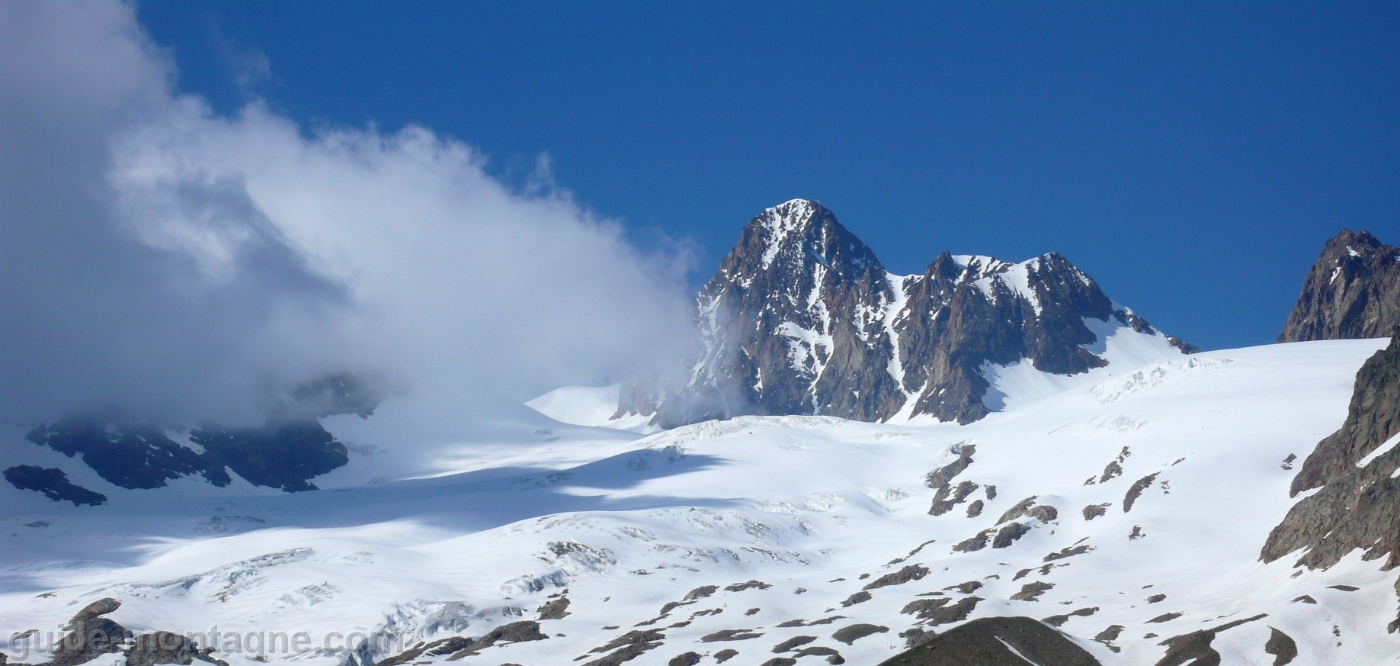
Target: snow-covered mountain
{"type": "Point", "coordinates": [802, 318]}
{"type": "Point", "coordinates": [1226, 507]}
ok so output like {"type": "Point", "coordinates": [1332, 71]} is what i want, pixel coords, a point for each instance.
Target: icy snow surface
{"type": "Point", "coordinates": [588, 406]}
{"type": "Point", "coordinates": [425, 536]}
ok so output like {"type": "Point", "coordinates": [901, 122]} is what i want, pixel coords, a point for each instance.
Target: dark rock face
{"type": "Point", "coordinates": [1136, 490]}
{"type": "Point", "coordinates": [53, 483]}
{"type": "Point", "coordinates": [437, 648]}
{"type": "Point", "coordinates": [1194, 648]}
{"type": "Point", "coordinates": [1060, 620]}
{"type": "Point", "coordinates": [857, 598]}
{"type": "Point", "coordinates": [939, 478]}
{"type": "Point", "coordinates": [850, 634]}
{"type": "Point", "coordinates": [162, 647]}
{"type": "Point", "coordinates": [701, 592]}
{"type": "Point", "coordinates": [283, 455]}
{"type": "Point", "coordinates": [1009, 534]}
{"type": "Point", "coordinates": [747, 585]}
{"type": "Point", "coordinates": [939, 610]}
{"type": "Point", "coordinates": [802, 318]}
{"type": "Point", "coordinates": [286, 453]}
{"type": "Point", "coordinates": [90, 635]}
{"type": "Point", "coordinates": [1353, 291]}
{"type": "Point", "coordinates": [949, 497]}
{"type": "Point", "coordinates": [974, 543]}
{"type": "Point", "coordinates": [911, 572]}
{"type": "Point", "coordinates": [1032, 591]}
{"type": "Point", "coordinates": [129, 456]}
{"type": "Point", "coordinates": [1357, 507]}
{"type": "Point", "coordinates": [556, 609]}
{"type": "Point", "coordinates": [792, 643]}
{"type": "Point", "coordinates": [1372, 417]}
{"type": "Point", "coordinates": [996, 641]}
{"type": "Point", "coordinates": [730, 635]}
{"type": "Point", "coordinates": [1282, 646]}
{"type": "Point", "coordinates": [515, 632]}
{"type": "Point", "coordinates": [687, 659]}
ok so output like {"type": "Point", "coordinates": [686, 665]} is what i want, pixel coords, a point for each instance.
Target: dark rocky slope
{"type": "Point", "coordinates": [287, 452]}
{"type": "Point", "coordinates": [1357, 507]}
{"type": "Point", "coordinates": [1352, 292]}
{"type": "Point", "coordinates": [53, 483]}
{"type": "Point", "coordinates": [802, 318]}
{"type": "Point", "coordinates": [990, 641]}
{"type": "Point", "coordinates": [280, 455]}
{"type": "Point", "coordinates": [91, 635]}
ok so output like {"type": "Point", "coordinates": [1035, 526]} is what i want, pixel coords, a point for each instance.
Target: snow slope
{"type": "Point", "coordinates": [589, 406]}
{"type": "Point", "coordinates": [422, 536]}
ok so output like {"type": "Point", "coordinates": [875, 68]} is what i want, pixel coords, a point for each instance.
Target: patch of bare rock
{"type": "Point", "coordinates": [996, 641]}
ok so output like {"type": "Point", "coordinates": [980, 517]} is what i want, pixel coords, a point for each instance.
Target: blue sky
{"type": "Point", "coordinates": [1192, 157]}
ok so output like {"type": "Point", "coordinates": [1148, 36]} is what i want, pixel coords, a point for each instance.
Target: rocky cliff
{"type": "Point", "coordinates": [802, 318]}
{"type": "Point", "coordinates": [1358, 505]}
{"type": "Point", "coordinates": [1353, 291]}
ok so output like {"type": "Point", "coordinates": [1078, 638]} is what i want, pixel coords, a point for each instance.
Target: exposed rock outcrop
{"type": "Point", "coordinates": [557, 609]}
{"type": "Point", "coordinates": [1135, 491]}
{"type": "Point", "coordinates": [909, 573]}
{"type": "Point", "coordinates": [53, 483]}
{"type": "Point", "coordinates": [852, 633]}
{"type": "Point", "coordinates": [950, 496]}
{"type": "Point", "coordinates": [285, 455]}
{"type": "Point", "coordinates": [802, 318]}
{"type": "Point", "coordinates": [1194, 648]}
{"type": "Point", "coordinates": [995, 641]}
{"type": "Point", "coordinates": [941, 610]}
{"type": "Point", "coordinates": [91, 635]}
{"type": "Point", "coordinates": [1352, 292]}
{"type": "Point", "coordinates": [514, 632]}
{"type": "Point", "coordinates": [1357, 506]}
{"type": "Point", "coordinates": [1372, 417]}
{"type": "Point", "coordinates": [939, 478]}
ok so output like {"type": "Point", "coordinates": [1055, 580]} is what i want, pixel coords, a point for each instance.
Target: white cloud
{"type": "Point", "coordinates": [160, 258]}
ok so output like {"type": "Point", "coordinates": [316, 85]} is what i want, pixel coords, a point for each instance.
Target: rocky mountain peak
{"type": "Point", "coordinates": [1353, 291]}
{"type": "Point", "coordinates": [802, 318]}
{"type": "Point", "coordinates": [793, 239]}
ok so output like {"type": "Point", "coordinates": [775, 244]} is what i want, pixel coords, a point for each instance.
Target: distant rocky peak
{"type": "Point", "coordinates": [1357, 244]}
{"type": "Point", "coordinates": [1353, 291]}
{"type": "Point", "coordinates": [802, 318]}
{"type": "Point", "coordinates": [797, 237]}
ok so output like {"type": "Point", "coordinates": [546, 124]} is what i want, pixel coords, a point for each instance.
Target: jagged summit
{"type": "Point", "coordinates": [1352, 292]}
{"type": "Point", "coordinates": [794, 237]}
{"type": "Point", "coordinates": [802, 318]}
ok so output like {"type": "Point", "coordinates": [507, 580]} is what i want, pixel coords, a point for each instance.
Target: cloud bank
{"type": "Point", "coordinates": [162, 260]}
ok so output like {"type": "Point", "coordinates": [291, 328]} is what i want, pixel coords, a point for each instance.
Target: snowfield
{"type": "Point", "coordinates": [1179, 461]}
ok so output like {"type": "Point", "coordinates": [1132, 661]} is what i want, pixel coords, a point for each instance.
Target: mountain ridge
{"type": "Point", "coordinates": [801, 317]}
